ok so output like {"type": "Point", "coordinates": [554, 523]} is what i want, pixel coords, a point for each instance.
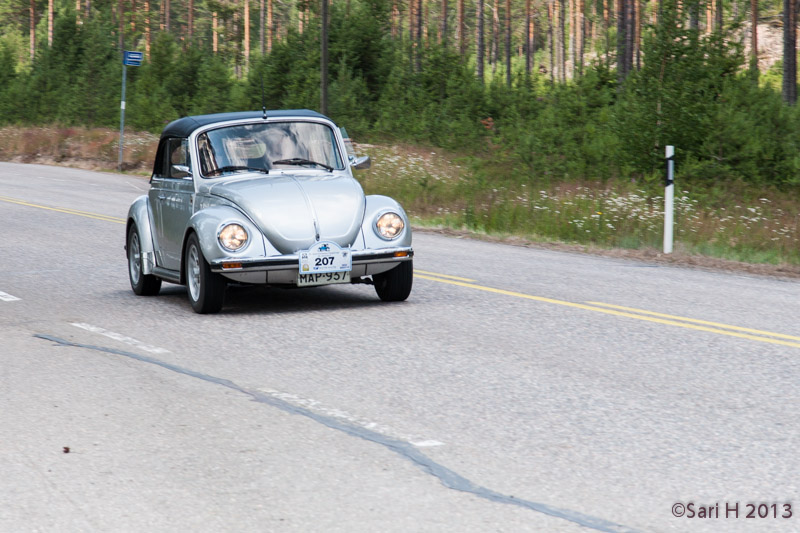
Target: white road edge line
{"type": "Point", "coordinates": [120, 337]}
{"type": "Point", "coordinates": [319, 408]}
{"type": "Point", "coordinates": [8, 297]}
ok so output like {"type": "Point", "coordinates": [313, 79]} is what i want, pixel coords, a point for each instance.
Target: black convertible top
{"type": "Point", "coordinates": [183, 127]}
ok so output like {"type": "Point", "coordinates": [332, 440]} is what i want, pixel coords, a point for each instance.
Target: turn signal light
{"type": "Point", "coordinates": [231, 265]}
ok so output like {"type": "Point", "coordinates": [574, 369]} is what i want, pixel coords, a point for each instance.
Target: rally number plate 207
{"type": "Point", "coordinates": [325, 256]}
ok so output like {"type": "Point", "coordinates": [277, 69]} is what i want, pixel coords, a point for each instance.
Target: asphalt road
{"type": "Point", "coordinates": [516, 390]}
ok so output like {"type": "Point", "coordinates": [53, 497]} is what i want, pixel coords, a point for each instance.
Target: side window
{"type": "Point", "coordinates": [160, 166]}
{"type": "Point", "coordinates": [177, 154]}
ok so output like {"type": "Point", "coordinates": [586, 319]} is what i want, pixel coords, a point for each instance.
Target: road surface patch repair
{"type": "Point", "coordinates": [407, 450]}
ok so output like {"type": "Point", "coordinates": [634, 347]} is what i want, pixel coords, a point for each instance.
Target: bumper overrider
{"type": "Point", "coordinates": [284, 268]}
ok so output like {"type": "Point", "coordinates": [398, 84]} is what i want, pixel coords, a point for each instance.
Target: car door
{"type": "Point", "coordinates": [171, 198]}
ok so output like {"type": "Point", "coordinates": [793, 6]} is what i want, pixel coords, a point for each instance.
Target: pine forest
{"type": "Point", "coordinates": [528, 92]}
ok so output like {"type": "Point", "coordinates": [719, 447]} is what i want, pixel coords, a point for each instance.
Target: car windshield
{"type": "Point", "coordinates": [268, 145]}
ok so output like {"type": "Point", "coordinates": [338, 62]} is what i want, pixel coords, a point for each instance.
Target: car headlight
{"type": "Point", "coordinates": [390, 225]}
{"type": "Point", "coordinates": [233, 237]}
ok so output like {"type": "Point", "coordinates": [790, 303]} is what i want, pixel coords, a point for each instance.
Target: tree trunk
{"type": "Point", "coordinates": [120, 23]}
{"type": "Point", "coordinates": [246, 36]}
{"type": "Point", "coordinates": [301, 12]}
{"type": "Point", "coordinates": [214, 33]}
{"type": "Point", "coordinates": [412, 41]}
{"type": "Point", "coordinates": [607, 29]}
{"type": "Point", "coordinates": [412, 20]}
{"type": "Point", "coordinates": [323, 77]}
{"type": "Point", "coordinates": [418, 59]}
{"type": "Point", "coordinates": [237, 62]}
{"type": "Point", "coordinates": [754, 34]}
{"type": "Point", "coordinates": [630, 34]}
{"type": "Point", "coordinates": [551, 42]}
{"type": "Point", "coordinates": [167, 16]}
{"type": "Point", "coordinates": [270, 26]}
{"type": "Point", "coordinates": [461, 29]}
{"type": "Point", "coordinates": [789, 52]}
{"type": "Point", "coordinates": [49, 22]}
{"type": "Point", "coordinates": [425, 23]}
{"type": "Point", "coordinates": [147, 33]}
{"type": "Point", "coordinates": [32, 27]}
{"type": "Point", "coordinates": [626, 35]}
{"type": "Point", "coordinates": [622, 73]}
{"type": "Point", "coordinates": [508, 43]}
{"type": "Point", "coordinates": [528, 38]}
{"type": "Point", "coordinates": [562, 40]}
{"type": "Point", "coordinates": [393, 20]}
{"type": "Point", "coordinates": [443, 36]}
{"type": "Point", "coordinates": [479, 52]}
{"type": "Point", "coordinates": [495, 50]}
{"type": "Point", "coordinates": [262, 37]}
{"type": "Point", "coordinates": [190, 29]}
{"type": "Point", "coordinates": [573, 52]}
{"type": "Point", "coordinates": [694, 16]}
{"type": "Point", "coordinates": [637, 28]}
{"type": "Point", "coordinates": [581, 33]}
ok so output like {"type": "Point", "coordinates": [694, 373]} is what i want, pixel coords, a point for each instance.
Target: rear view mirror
{"type": "Point", "coordinates": [362, 162]}
{"type": "Point", "coordinates": [180, 171]}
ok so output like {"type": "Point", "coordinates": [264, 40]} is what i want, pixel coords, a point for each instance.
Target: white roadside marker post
{"type": "Point", "coordinates": [669, 200]}
{"type": "Point", "coordinates": [122, 116]}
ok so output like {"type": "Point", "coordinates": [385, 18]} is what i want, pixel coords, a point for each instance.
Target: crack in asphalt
{"type": "Point", "coordinates": [447, 477]}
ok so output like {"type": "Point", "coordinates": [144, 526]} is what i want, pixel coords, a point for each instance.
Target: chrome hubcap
{"type": "Point", "coordinates": [135, 258]}
{"type": "Point", "coordinates": [193, 272]}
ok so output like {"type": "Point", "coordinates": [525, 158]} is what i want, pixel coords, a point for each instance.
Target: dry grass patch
{"type": "Point", "coordinates": [89, 148]}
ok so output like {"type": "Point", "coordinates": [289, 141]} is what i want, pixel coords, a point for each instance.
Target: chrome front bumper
{"type": "Point", "coordinates": [285, 268]}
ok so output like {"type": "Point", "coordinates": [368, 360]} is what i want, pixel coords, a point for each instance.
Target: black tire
{"type": "Point", "coordinates": [206, 289]}
{"type": "Point", "coordinates": [142, 284]}
{"type": "Point", "coordinates": [395, 284]}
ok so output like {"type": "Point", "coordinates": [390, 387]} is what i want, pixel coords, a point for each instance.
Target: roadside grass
{"type": "Point", "coordinates": [90, 148]}
{"type": "Point", "coordinates": [440, 189]}
{"type": "Point", "coordinates": [736, 221]}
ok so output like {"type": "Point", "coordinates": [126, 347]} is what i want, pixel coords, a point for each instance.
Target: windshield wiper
{"type": "Point", "coordinates": [233, 168]}
{"type": "Point", "coordinates": [301, 161]}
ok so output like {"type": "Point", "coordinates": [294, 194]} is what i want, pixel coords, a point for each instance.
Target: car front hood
{"type": "Point", "coordinates": [295, 211]}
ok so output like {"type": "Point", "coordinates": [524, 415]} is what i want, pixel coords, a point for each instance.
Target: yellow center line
{"type": "Point", "coordinates": [86, 214]}
{"type": "Point", "coordinates": [696, 321]}
{"type": "Point", "coordinates": [626, 314]}
{"type": "Point", "coordinates": [443, 275]}
{"type": "Point", "coordinates": [599, 307]}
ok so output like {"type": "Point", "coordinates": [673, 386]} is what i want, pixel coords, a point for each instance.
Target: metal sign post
{"type": "Point", "coordinates": [669, 200]}
{"type": "Point", "coordinates": [133, 59]}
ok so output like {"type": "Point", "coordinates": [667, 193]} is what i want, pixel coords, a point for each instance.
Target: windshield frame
{"type": "Point", "coordinates": [336, 139]}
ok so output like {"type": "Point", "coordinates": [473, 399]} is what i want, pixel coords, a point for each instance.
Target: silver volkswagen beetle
{"type": "Point", "coordinates": [265, 197]}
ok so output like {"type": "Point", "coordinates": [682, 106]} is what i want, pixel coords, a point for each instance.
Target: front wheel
{"type": "Point", "coordinates": [142, 284]}
{"type": "Point", "coordinates": [395, 284]}
{"type": "Point", "coordinates": [206, 289]}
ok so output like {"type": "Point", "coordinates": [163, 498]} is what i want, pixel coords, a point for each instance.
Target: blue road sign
{"type": "Point", "coordinates": [132, 59]}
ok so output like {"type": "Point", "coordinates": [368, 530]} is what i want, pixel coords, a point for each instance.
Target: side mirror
{"type": "Point", "coordinates": [180, 171]}
{"type": "Point", "coordinates": [362, 162]}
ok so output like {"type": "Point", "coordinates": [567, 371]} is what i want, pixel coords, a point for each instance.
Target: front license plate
{"type": "Point", "coordinates": [322, 278]}
{"type": "Point", "coordinates": [325, 257]}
